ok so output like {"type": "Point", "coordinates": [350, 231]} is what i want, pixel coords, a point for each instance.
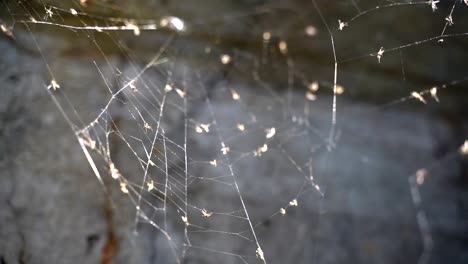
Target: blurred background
{"type": "Point", "coordinates": [247, 131]}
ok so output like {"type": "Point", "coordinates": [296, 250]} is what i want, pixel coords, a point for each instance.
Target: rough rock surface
{"type": "Point", "coordinates": [53, 209]}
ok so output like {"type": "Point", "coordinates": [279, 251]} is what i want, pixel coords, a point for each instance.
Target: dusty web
{"type": "Point", "coordinates": [213, 125]}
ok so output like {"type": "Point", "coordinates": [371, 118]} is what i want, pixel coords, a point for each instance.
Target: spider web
{"type": "Point", "coordinates": [208, 128]}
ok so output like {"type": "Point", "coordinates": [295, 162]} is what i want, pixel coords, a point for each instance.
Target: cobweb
{"type": "Point", "coordinates": [201, 120]}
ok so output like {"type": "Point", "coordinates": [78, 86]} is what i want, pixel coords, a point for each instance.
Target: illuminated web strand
{"type": "Point", "coordinates": [424, 92]}
{"type": "Point", "coordinates": [331, 137]}
{"type": "Point", "coordinates": [381, 7]}
{"type": "Point", "coordinates": [416, 43]}
{"type": "Point", "coordinates": [114, 95]}
{"type": "Point", "coordinates": [166, 174]}
{"type": "Point", "coordinates": [64, 114]}
{"type": "Point", "coordinates": [143, 168]}
{"type": "Point", "coordinates": [94, 16]}
{"type": "Point", "coordinates": [242, 258]}
{"type": "Point", "coordinates": [205, 230]}
{"type": "Point", "coordinates": [186, 165]}
{"type": "Point", "coordinates": [285, 153]}
{"type": "Point", "coordinates": [96, 28]}
{"type": "Point", "coordinates": [173, 246]}
{"type": "Point", "coordinates": [449, 18]}
{"type": "Point", "coordinates": [150, 154]}
{"type": "Point", "coordinates": [231, 171]}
